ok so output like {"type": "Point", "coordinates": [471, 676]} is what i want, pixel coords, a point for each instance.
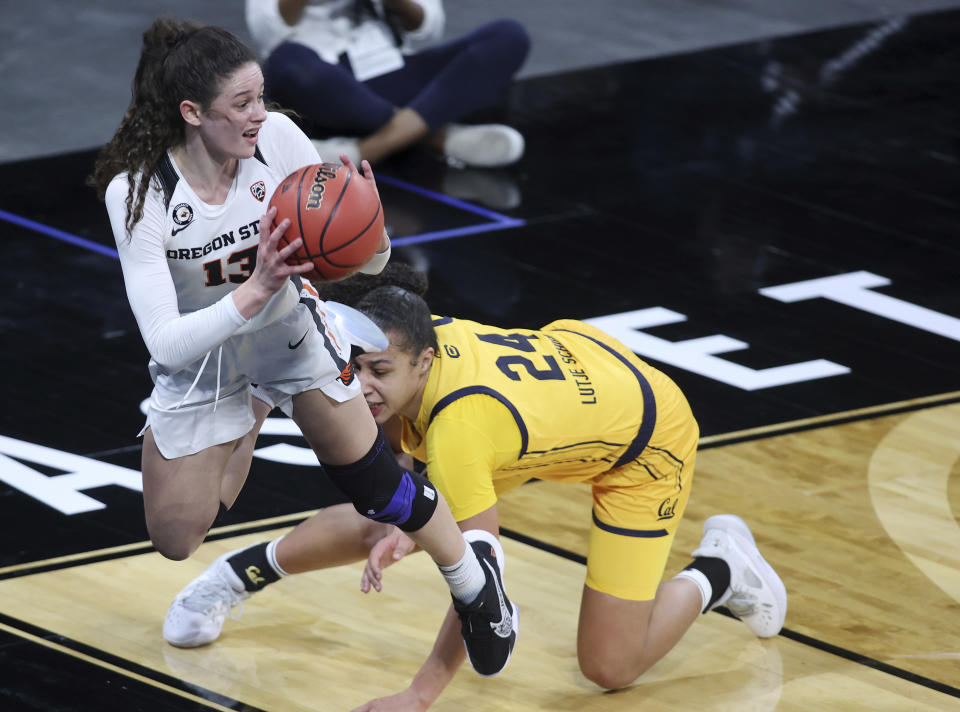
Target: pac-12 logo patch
{"type": "Point", "coordinates": [259, 190]}
{"type": "Point", "coordinates": [182, 216]}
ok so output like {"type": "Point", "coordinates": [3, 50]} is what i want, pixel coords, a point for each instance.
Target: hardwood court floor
{"type": "Point", "coordinates": [684, 201]}
{"type": "Point", "coordinates": [851, 515]}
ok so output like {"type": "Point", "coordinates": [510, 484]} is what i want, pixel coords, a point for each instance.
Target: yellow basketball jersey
{"type": "Point", "coordinates": [581, 402]}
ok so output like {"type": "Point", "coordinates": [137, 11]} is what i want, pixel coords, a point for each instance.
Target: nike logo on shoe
{"type": "Point", "coordinates": [503, 628]}
{"type": "Point", "coordinates": [293, 346]}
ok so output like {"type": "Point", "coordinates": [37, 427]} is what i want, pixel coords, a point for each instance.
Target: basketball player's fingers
{"type": "Point", "coordinates": [266, 220]}
{"type": "Point", "coordinates": [284, 271]}
{"type": "Point", "coordinates": [300, 269]}
{"type": "Point", "coordinates": [366, 172]}
{"type": "Point", "coordinates": [271, 237]}
{"type": "Point", "coordinates": [379, 553]}
{"type": "Point", "coordinates": [287, 250]}
{"type": "Point", "coordinates": [369, 580]}
{"type": "Point", "coordinates": [368, 176]}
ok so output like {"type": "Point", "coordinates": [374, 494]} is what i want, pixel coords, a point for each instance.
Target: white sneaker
{"type": "Point", "coordinates": [360, 329]}
{"type": "Point", "coordinates": [197, 613]}
{"type": "Point", "coordinates": [331, 148]}
{"type": "Point", "coordinates": [495, 189]}
{"type": "Point", "coordinates": [756, 595]}
{"type": "Point", "coordinates": [486, 145]}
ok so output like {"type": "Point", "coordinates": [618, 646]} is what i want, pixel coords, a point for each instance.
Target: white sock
{"type": "Point", "coordinates": [703, 583]}
{"type": "Point", "coordinates": [272, 557]}
{"type": "Point", "coordinates": [465, 578]}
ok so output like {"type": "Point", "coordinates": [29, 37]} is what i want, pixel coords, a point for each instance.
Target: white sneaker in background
{"type": "Point", "coordinates": [756, 595]}
{"type": "Point", "coordinates": [197, 613]}
{"type": "Point", "coordinates": [494, 189]}
{"type": "Point", "coordinates": [331, 148]}
{"type": "Point", "coordinates": [484, 145]}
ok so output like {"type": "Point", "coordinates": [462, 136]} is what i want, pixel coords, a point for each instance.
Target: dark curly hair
{"type": "Point", "coordinates": [351, 290]}
{"type": "Point", "coordinates": [179, 60]}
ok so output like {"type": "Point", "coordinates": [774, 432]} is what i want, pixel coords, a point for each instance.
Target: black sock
{"type": "Point", "coordinates": [253, 568]}
{"type": "Point", "coordinates": [717, 572]}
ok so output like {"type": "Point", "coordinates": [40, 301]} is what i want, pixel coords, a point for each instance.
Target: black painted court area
{"type": "Point", "coordinates": [667, 183]}
{"type": "Point", "coordinates": [683, 184]}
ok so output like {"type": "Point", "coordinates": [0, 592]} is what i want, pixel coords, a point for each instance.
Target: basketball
{"type": "Point", "coordinates": [338, 215]}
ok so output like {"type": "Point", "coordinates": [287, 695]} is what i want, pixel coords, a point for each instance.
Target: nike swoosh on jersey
{"type": "Point", "coordinates": [504, 627]}
{"type": "Point", "coordinates": [175, 231]}
{"type": "Point", "coordinates": [293, 346]}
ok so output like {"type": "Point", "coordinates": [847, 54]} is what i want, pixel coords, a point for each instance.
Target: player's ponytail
{"type": "Point", "coordinates": [179, 60]}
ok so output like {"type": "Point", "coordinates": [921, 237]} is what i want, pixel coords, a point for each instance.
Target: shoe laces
{"type": "Point", "coordinates": [213, 594]}
{"type": "Point", "coordinates": [742, 605]}
{"type": "Point", "coordinates": [742, 601]}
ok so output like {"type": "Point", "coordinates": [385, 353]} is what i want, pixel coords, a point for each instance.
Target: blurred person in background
{"type": "Point", "coordinates": [369, 77]}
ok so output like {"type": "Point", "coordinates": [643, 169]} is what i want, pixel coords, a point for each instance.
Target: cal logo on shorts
{"type": "Point", "coordinates": [667, 509]}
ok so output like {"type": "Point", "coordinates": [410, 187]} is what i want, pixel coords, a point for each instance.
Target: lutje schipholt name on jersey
{"type": "Point", "coordinates": [588, 394]}
{"type": "Point", "coordinates": [244, 232]}
{"type": "Point", "coordinates": [324, 172]}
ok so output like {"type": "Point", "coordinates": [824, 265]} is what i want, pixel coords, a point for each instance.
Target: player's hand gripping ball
{"type": "Point", "coordinates": [338, 215]}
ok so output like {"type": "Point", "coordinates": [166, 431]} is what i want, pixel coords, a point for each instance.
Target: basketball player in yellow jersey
{"type": "Point", "coordinates": [566, 403]}
{"type": "Point", "coordinates": [487, 409]}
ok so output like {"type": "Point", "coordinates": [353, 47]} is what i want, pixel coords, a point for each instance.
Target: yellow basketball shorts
{"type": "Point", "coordinates": [632, 532]}
{"type": "Point", "coordinates": [638, 507]}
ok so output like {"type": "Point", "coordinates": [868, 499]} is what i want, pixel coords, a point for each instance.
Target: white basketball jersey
{"type": "Point", "coordinates": [184, 257]}
{"type": "Point", "coordinates": [211, 249]}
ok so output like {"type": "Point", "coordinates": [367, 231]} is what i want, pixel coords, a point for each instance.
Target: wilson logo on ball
{"type": "Point", "coordinates": [324, 172]}
{"type": "Point", "coordinates": [336, 212]}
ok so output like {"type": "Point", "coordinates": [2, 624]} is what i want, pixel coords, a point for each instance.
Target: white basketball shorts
{"type": "Point", "coordinates": [188, 413]}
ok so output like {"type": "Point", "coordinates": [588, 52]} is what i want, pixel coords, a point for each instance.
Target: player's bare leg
{"type": "Point", "coordinates": [181, 496]}
{"type": "Point", "coordinates": [618, 640]}
{"type": "Point", "coordinates": [238, 465]}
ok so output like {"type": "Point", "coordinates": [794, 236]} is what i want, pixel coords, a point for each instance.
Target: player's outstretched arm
{"type": "Point", "coordinates": [435, 674]}
{"type": "Point", "coordinates": [448, 652]}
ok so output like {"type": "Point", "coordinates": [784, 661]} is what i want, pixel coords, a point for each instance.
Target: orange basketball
{"type": "Point", "coordinates": [338, 215]}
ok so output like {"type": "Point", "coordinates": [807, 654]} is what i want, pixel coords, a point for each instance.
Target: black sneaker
{"type": "Point", "coordinates": [490, 622]}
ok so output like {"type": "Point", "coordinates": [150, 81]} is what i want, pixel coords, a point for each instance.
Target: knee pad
{"type": "Point", "coordinates": [383, 491]}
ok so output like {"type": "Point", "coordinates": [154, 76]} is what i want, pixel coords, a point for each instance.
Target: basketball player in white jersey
{"type": "Point", "coordinates": [185, 179]}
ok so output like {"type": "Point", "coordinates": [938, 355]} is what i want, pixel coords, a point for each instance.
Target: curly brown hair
{"type": "Point", "coordinates": [179, 60]}
{"type": "Point", "coordinates": [351, 290]}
